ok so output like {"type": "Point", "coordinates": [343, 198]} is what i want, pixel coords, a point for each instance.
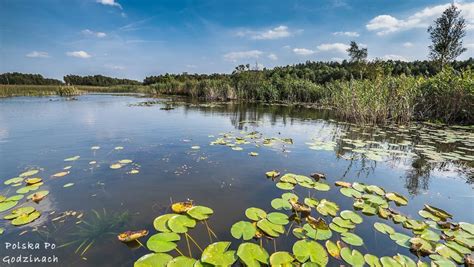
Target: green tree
{"type": "Point", "coordinates": [446, 35]}
{"type": "Point", "coordinates": [356, 53]}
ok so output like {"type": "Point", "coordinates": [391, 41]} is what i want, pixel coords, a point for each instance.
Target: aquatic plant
{"type": "Point", "coordinates": [446, 243]}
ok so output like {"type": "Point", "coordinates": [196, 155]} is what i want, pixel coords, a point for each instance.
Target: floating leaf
{"type": "Point", "coordinates": [272, 174]}
{"type": "Point", "coordinates": [60, 174]}
{"type": "Point", "coordinates": [153, 260]}
{"type": "Point", "coordinates": [252, 254]}
{"type": "Point", "coordinates": [181, 261]}
{"type": "Point", "coordinates": [130, 236]}
{"type": "Point", "coordinates": [352, 216]}
{"type": "Point", "coordinates": [326, 207]}
{"type": "Point", "coordinates": [72, 158]}
{"type": "Point", "coordinates": [438, 212]}
{"type": "Point", "coordinates": [18, 212]}
{"type": "Point", "coordinates": [68, 185]}
{"type": "Point", "coordinates": [281, 258]}
{"type": "Point", "coordinates": [244, 230]}
{"type": "Point", "coordinates": [317, 234]}
{"type": "Point", "coordinates": [161, 222]}
{"type": "Point", "coordinates": [333, 249]}
{"type": "Point", "coordinates": [422, 245]}
{"type": "Point", "coordinates": [353, 257]}
{"type": "Point", "coordinates": [181, 207]}
{"type": "Point", "coordinates": [118, 148]}
{"type": "Point", "coordinates": [26, 218]}
{"type": "Point", "coordinates": [311, 202]}
{"type": "Point", "coordinates": [13, 181]}
{"type": "Point", "coordinates": [28, 173]}
{"type": "Point", "coordinates": [253, 154]}
{"type": "Point", "coordinates": [404, 260]}
{"type": "Point", "coordinates": [125, 161]}
{"type": "Point", "coordinates": [389, 262]}
{"type": "Point", "coordinates": [279, 204]}
{"type": "Point", "coordinates": [195, 147]}
{"type": "Point", "coordinates": [400, 239]}
{"type": "Point", "coordinates": [337, 228]}
{"type": "Point", "coordinates": [372, 260]}
{"type": "Point", "coordinates": [321, 186]}
{"type": "Point", "coordinates": [116, 166]}
{"type": "Point", "coordinates": [218, 254]}
{"type": "Point", "coordinates": [180, 223]}
{"type": "Point", "coordinates": [375, 189]}
{"type": "Point", "coordinates": [31, 181]}
{"type": "Point", "coordinates": [255, 214]}
{"type": "Point", "coordinates": [305, 250]}
{"type": "Point", "coordinates": [468, 227]}
{"type": "Point", "coordinates": [352, 239]}
{"type": "Point", "coordinates": [269, 228]}
{"type": "Point", "coordinates": [384, 228]}
{"type": "Point", "coordinates": [162, 242]}
{"type": "Point", "coordinates": [200, 212]}
{"type": "Point", "coordinates": [285, 186]}
{"type": "Point", "coordinates": [6, 205]}
{"type": "Point", "coordinates": [350, 192]}
{"type": "Point", "coordinates": [343, 223]}
{"type": "Point", "coordinates": [278, 218]}
{"type": "Point", "coordinates": [449, 253]}
{"type": "Point", "coordinates": [289, 178]}
{"type": "Point", "coordinates": [95, 148]}
{"type": "Point", "coordinates": [397, 198]}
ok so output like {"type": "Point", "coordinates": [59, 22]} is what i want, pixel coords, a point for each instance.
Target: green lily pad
{"type": "Point", "coordinates": [438, 212]}
{"type": "Point", "coordinates": [200, 212]}
{"type": "Point", "coordinates": [352, 239]}
{"type": "Point", "coordinates": [28, 173]}
{"type": "Point", "coordinates": [6, 205]}
{"type": "Point", "coordinates": [421, 245]}
{"type": "Point", "coordinates": [272, 174]}
{"type": "Point", "coordinates": [333, 249]}
{"type": "Point", "coordinates": [39, 194]}
{"type": "Point", "coordinates": [252, 255]}
{"type": "Point", "coordinates": [449, 253]}
{"type": "Point", "coordinates": [218, 254]}
{"type": "Point", "coordinates": [285, 186]}
{"type": "Point", "coordinates": [428, 215]}
{"type": "Point", "coordinates": [13, 180]}
{"type": "Point", "coordinates": [244, 230]}
{"type": "Point", "coordinates": [326, 207]}
{"type": "Point", "coordinates": [359, 186]}
{"type": "Point", "coordinates": [161, 223]}
{"type": "Point", "coordinates": [280, 204]}
{"type": "Point", "coordinates": [427, 234]}
{"type": "Point", "coordinates": [389, 262]}
{"type": "Point", "coordinates": [2, 230]}
{"type": "Point", "coordinates": [468, 227]}
{"type": "Point", "coordinates": [375, 189]}
{"type": "Point", "coordinates": [287, 196]}
{"type": "Point", "coordinates": [305, 250]}
{"type": "Point", "coordinates": [372, 261]}
{"type": "Point", "coordinates": [180, 223]}
{"type": "Point", "coordinates": [321, 186]}
{"type": "Point", "coordinates": [397, 198]}
{"type": "Point", "coordinates": [162, 242]}
{"type": "Point", "coordinates": [281, 258]}
{"type": "Point", "coordinates": [400, 239]}
{"type": "Point", "coordinates": [439, 260]}
{"type": "Point", "coordinates": [384, 228]}
{"type": "Point", "coordinates": [14, 198]}
{"type": "Point", "coordinates": [278, 218]}
{"type": "Point", "coordinates": [72, 158]}
{"type": "Point", "coordinates": [352, 257]}
{"type": "Point", "coordinates": [26, 218]}
{"type": "Point", "coordinates": [352, 216]}
{"type": "Point", "coordinates": [337, 228]}
{"type": "Point", "coordinates": [299, 232]}
{"type": "Point", "coordinates": [404, 260]}
{"type": "Point", "coordinates": [317, 234]}
{"type": "Point", "coordinates": [343, 223]}
{"type": "Point", "coordinates": [271, 229]}
{"type": "Point", "coordinates": [181, 261]}
{"type": "Point", "coordinates": [255, 214]}
{"type": "Point", "coordinates": [311, 202]}
{"type": "Point", "coordinates": [350, 192]}
{"type": "Point", "coordinates": [18, 212]}
{"type": "Point", "coordinates": [288, 178]}
{"type": "Point", "coordinates": [153, 260]}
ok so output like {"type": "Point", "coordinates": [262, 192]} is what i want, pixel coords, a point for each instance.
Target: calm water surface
{"type": "Point", "coordinates": [42, 132]}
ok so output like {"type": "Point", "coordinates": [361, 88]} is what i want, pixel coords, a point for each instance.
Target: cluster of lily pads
{"type": "Point", "coordinates": [428, 141]}
{"type": "Point", "coordinates": [311, 220]}
{"type": "Point", "coordinates": [236, 141]}
{"type": "Point", "coordinates": [27, 184]}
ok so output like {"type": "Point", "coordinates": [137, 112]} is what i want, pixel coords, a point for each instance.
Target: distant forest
{"type": "Point", "coordinates": [316, 72]}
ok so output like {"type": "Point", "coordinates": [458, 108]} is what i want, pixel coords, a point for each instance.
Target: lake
{"type": "Point", "coordinates": [184, 150]}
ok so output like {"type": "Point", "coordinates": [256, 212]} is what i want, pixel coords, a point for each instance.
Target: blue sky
{"type": "Point", "coordinates": [137, 38]}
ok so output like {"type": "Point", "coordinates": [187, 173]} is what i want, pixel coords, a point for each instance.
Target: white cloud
{"type": "Point", "coordinates": [37, 54]}
{"type": "Point", "coordinates": [408, 44]}
{"type": "Point", "coordinates": [114, 67]}
{"type": "Point", "coordinates": [191, 66]}
{"type": "Point", "coordinates": [79, 54]}
{"type": "Point", "coordinates": [234, 56]}
{"type": "Point", "coordinates": [93, 33]}
{"type": "Point", "coordinates": [303, 51]}
{"type": "Point", "coordinates": [281, 31]}
{"type": "Point", "coordinates": [109, 3]}
{"type": "Point", "coordinates": [349, 34]}
{"type": "Point", "coordinates": [385, 24]}
{"type": "Point", "coordinates": [395, 57]}
{"type": "Point", "coordinates": [336, 47]}
{"type": "Point", "coordinates": [272, 56]}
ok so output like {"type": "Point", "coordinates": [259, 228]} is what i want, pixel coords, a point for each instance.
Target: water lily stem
{"type": "Point", "coordinates": [194, 241]}
{"type": "Point", "coordinates": [189, 246]}
{"type": "Point", "coordinates": [179, 251]}
{"type": "Point", "coordinates": [210, 230]}
{"type": "Point", "coordinates": [274, 245]}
